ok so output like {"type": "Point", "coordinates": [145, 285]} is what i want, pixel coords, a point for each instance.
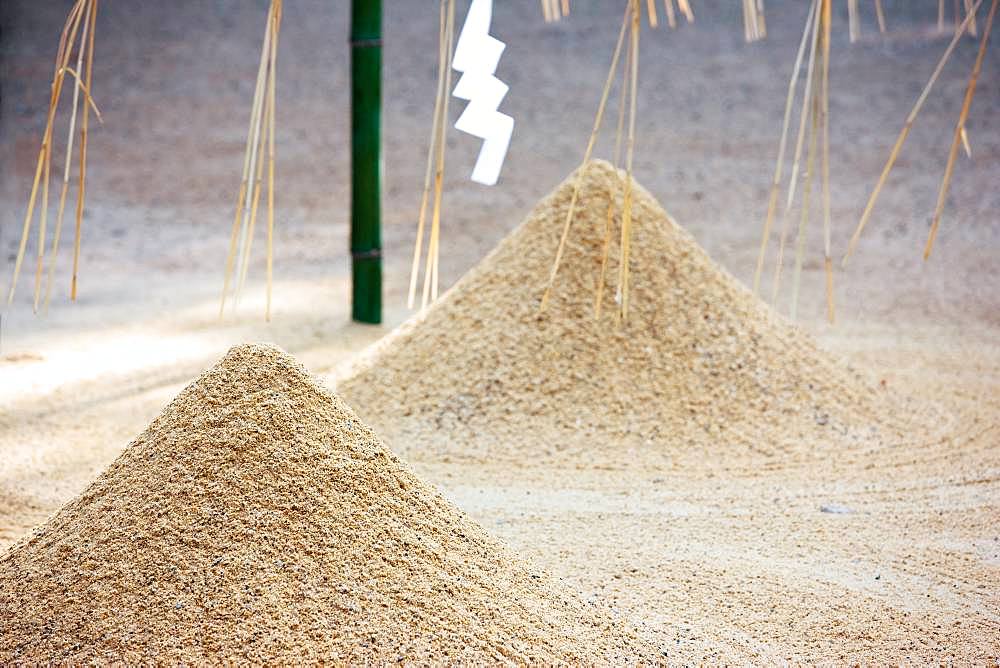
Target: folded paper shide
{"type": "Point", "coordinates": [476, 57]}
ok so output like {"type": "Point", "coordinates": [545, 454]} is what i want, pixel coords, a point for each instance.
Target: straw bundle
{"type": "Point", "coordinates": [814, 115]}
{"type": "Point", "coordinates": [260, 139]}
{"type": "Point", "coordinates": [81, 22]}
{"type": "Point", "coordinates": [435, 164]}
{"type": "Point", "coordinates": [554, 10]}
{"type": "Point", "coordinates": [754, 24]}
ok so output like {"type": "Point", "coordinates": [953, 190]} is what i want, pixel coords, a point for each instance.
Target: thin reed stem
{"type": "Point", "coordinates": [668, 6]}
{"type": "Point", "coordinates": [880, 14]}
{"type": "Point", "coordinates": [970, 92]}
{"type": "Point", "coordinates": [270, 161]}
{"type": "Point", "coordinates": [901, 139]}
{"type": "Point", "coordinates": [71, 136]}
{"type": "Point", "coordinates": [554, 10]}
{"type": "Point", "coordinates": [685, 8]}
{"type": "Point", "coordinates": [236, 236]}
{"type": "Point", "coordinates": [431, 153]}
{"type": "Point", "coordinates": [431, 280]}
{"type": "Point", "coordinates": [626, 241]}
{"type": "Point", "coordinates": [824, 121]}
{"type": "Point", "coordinates": [586, 159]}
{"type": "Point", "coordinates": [42, 224]}
{"type": "Point", "coordinates": [622, 105]}
{"type": "Point", "coordinates": [853, 21]}
{"type": "Point", "coordinates": [256, 187]}
{"type": "Point", "coordinates": [606, 246]}
{"type": "Point", "coordinates": [800, 246]}
{"type": "Point", "coordinates": [970, 13]}
{"type": "Point", "coordinates": [623, 96]}
{"type": "Point", "coordinates": [250, 206]}
{"type": "Point", "coordinates": [81, 193]}
{"type": "Point", "coordinates": [772, 202]}
{"type": "Point", "coordinates": [804, 116]}
{"type": "Point", "coordinates": [66, 39]}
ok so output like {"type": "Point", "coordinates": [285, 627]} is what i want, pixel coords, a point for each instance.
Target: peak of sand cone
{"type": "Point", "coordinates": [700, 365]}
{"type": "Point", "coordinates": [257, 519]}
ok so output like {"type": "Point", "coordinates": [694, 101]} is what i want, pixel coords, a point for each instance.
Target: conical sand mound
{"type": "Point", "coordinates": [700, 362]}
{"type": "Point", "coordinates": [257, 519]}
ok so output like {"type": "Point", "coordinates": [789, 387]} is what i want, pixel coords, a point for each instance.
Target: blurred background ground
{"type": "Point", "coordinates": [174, 83]}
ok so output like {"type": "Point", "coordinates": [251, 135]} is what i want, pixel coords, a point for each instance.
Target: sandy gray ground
{"type": "Point", "coordinates": [174, 82]}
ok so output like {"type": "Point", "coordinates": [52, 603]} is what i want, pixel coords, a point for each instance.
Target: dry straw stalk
{"type": "Point", "coordinates": [270, 160]}
{"type": "Point", "coordinates": [685, 8]}
{"type": "Point", "coordinates": [880, 14]}
{"type": "Point", "coordinates": [772, 200]}
{"type": "Point", "coordinates": [853, 20]}
{"type": "Point", "coordinates": [970, 92]}
{"type": "Point", "coordinates": [432, 151]}
{"type": "Point", "coordinates": [824, 110]}
{"type": "Point", "coordinates": [901, 139]}
{"type": "Point", "coordinates": [431, 281]}
{"type": "Point", "coordinates": [83, 156]}
{"type": "Point", "coordinates": [970, 13]}
{"type": "Point", "coordinates": [260, 145]}
{"type": "Point", "coordinates": [800, 246]}
{"type": "Point", "coordinates": [66, 41]}
{"type": "Point", "coordinates": [799, 142]}
{"type": "Point", "coordinates": [626, 238]}
{"type": "Point", "coordinates": [66, 169]}
{"type": "Point", "coordinates": [586, 157]}
{"type": "Point", "coordinates": [668, 6]}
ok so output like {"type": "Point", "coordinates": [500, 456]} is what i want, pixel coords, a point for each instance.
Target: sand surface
{"type": "Point", "coordinates": [698, 365]}
{"type": "Point", "coordinates": [257, 519]}
{"type": "Point", "coordinates": [710, 408]}
{"type": "Point", "coordinates": [740, 564]}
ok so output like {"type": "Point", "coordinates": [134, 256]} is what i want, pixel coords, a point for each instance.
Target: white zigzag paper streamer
{"type": "Point", "coordinates": [476, 57]}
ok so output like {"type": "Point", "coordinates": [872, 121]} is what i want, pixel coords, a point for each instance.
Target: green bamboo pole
{"type": "Point", "coordinates": [366, 160]}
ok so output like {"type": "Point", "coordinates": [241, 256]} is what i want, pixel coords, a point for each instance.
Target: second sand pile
{"type": "Point", "coordinates": [700, 362]}
{"type": "Point", "coordinates": [258, 520]}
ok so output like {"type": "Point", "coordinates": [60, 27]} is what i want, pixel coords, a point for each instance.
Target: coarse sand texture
{"type": "Point", "coordinates": [700, 362]}
{"type": "Point", "coordinates": [257, 519]}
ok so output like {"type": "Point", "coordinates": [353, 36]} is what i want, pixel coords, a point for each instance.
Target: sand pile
{"type": "Point", "coordinates": [482, 375]}
{"type": "Point", "coordinates": [257, 519]}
